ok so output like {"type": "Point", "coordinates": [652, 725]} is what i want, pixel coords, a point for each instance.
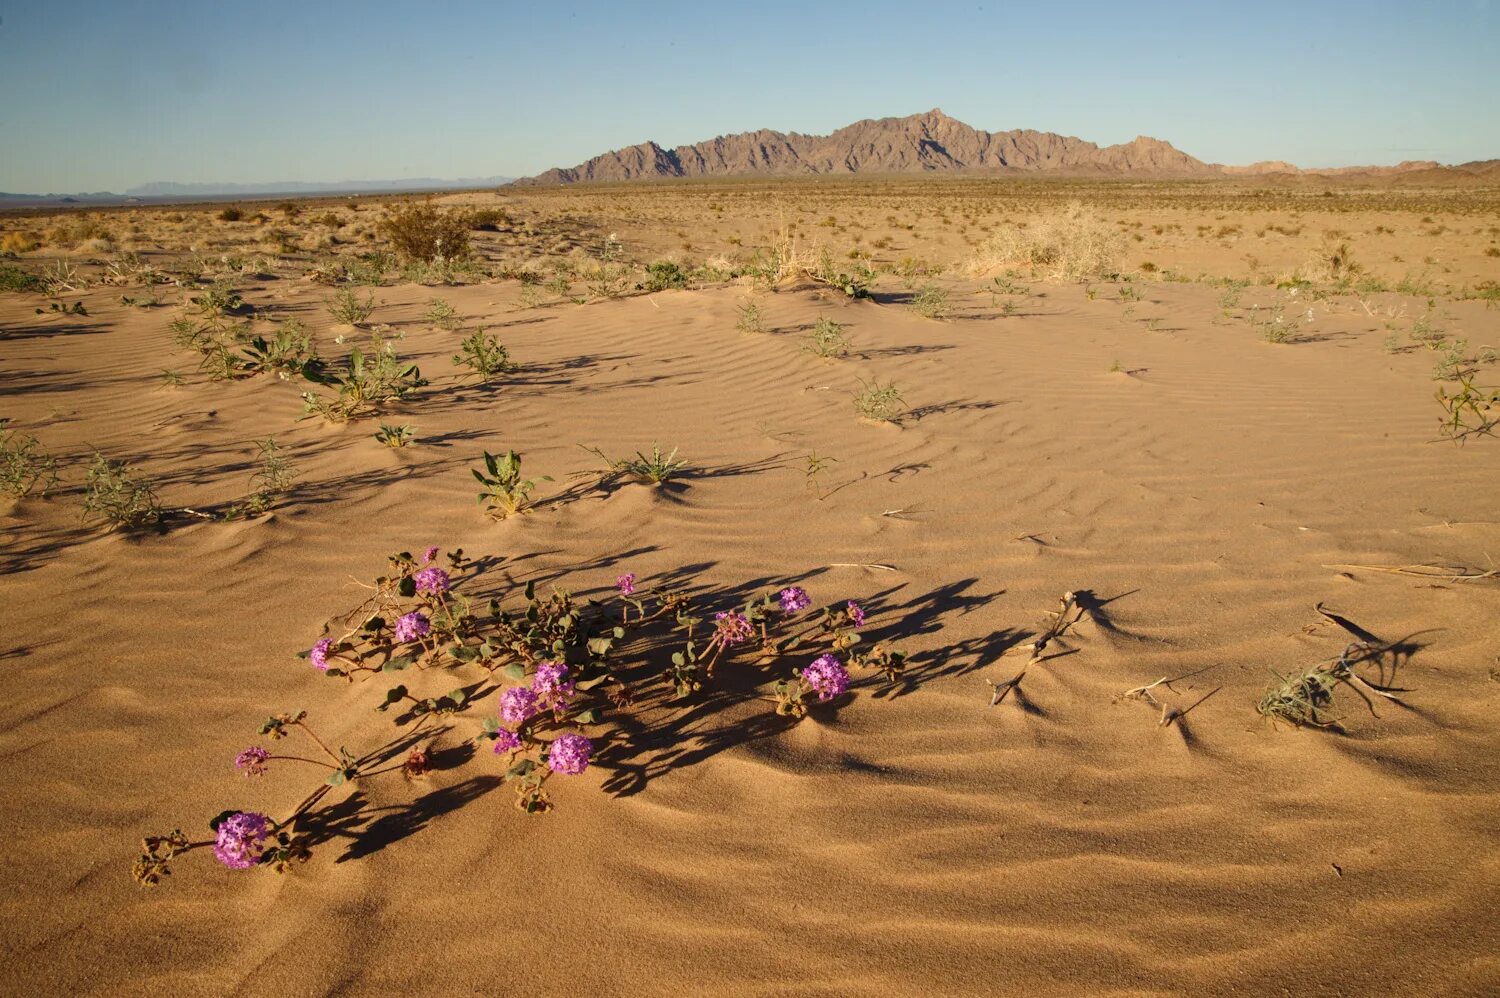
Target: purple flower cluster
{"type": "Point", "coordinates": [518, 705]}
{"type": "Point", "coordinates": [856, 614]}
{"type": "Point", "coordinates": [569, 754]}
{"type": "Point", "coordinates": [319, 654]}
{"type": "Point", "coordinates": [553, 688]}
{"type": "Point", "coordinates": [252, 761]}
{"type": "Point", "coordinates": [626, 583]}
{"type": "Point", "coordinates": [431, 580]}
{"type": "Point", "coordinates": [430, 554]}
{"type": "Point", "coordinates": [242, 839]}
{"type": "Point", "coordinates": [827, 676]}
{"type": "Point", "coordinates": [732, 628]}
{"type": "Point", "coordinates": [794, 599]}
{"type": "Point", "coordinates": [506, 740]}
{"type": "Point", "coordinates": [411, 627]}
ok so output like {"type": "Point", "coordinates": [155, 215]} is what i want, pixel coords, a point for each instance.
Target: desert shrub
{"type": "Point", "coordinates": [366, 382]}
{"type": "Point", "coordinates": [881, 403]}
{"type": "Point", "coordinates": [113, 495]}
{"type": "Point", "coordinates": [25, 465]}
{"type": "Point", "coordinates": [231, 214]}
{"type": "Point", "coordinates": [16, 279]}
{"type": "Point", "coordinates": [665, 274]}
{"type": "Point", "coordinates": [422, 232]}
{"type": "Point", "coordinates": [931, 301]}
{"type": "Point", "coordinates": [1304, 698]}
{"type": "Point", "coordinates": [77, 231]}
{"type": "Point", "coordinates": [563, 683]}
{"type": "Point", "coordinates": [827, 340]}
{"type": "Point", "coordinates": [749, 320]}
{"type": "Point", "coordinates": [345, 307]}
{"type": "Point", "coordinates": [20, 241]}
{"type": "Point", "coordinates": [1332, 262]}
{"type": "Point", "coordinates": [505, 491]}
{"type": "Point", "coordinates": [483, 354]}
{"type": "Point", "coordinates": [487, 219]}
{"type": "Point", "coordinates": [1073, 244]}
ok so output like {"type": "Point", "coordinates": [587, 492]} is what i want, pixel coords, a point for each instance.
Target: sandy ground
{"type": "Point", "coordinates": [1195, 484]}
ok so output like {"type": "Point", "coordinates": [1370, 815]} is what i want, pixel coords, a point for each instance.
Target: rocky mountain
{"type": "Point", "coordinates": [931, 142]}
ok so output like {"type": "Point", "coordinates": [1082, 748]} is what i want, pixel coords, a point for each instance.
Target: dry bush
{"type": "Point", "coordinates": [73, 233]}
{"type": "Point", "coordinates": [423, 232]}
{"type": "Point", "coordinates": [21, 241]}
{"type": "Point", "coordinates": [1332, 262]}
{"type": "Point", "coordinates": [1076, 243]}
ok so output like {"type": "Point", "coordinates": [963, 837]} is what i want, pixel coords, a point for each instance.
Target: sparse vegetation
{"type": "Point", "coordinates": [881, 403]}
{"type": "Point", "coordinates": [115, 496]}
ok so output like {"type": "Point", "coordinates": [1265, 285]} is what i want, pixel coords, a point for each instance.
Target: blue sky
{"type": "Point", "coordinates": [107, 95]}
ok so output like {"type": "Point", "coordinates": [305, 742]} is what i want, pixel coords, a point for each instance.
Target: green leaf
{"type": "Point", "coordinates": [588, 684]}
{"type": "Point", "coordinates": [398, 663]}
{"type": "Point", "coordinates": [587, 716]}
{"type": "Point", "coordinates": [408, 587]}
{"type": "Point", "coordinates": [522, 768]}
{"type": "Point", "coordinates": [336, 779]}
{"type": "Point", "coordinates": [515, 671]}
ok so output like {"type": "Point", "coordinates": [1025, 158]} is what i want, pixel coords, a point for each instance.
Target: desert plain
{"type": "Point", "coordinates": [1208, 412]}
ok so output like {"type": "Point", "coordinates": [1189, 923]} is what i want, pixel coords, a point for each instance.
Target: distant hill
{"type": "Point", "coordinates": [171, 189]}
{"type": "Point", "coordinates": [933, 143]}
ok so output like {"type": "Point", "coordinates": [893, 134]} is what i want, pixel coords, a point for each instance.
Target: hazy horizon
{"type": "Point", "coordinates": [121, 95]}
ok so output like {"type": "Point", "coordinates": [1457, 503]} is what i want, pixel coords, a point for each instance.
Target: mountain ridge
{"type": "Point", "coordinates": [929, 142]}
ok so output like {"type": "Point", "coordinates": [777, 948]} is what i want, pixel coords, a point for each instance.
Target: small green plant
{"type": "Point", "coordinates": [18, 280]}
{"type": "Point", "coordinates": [270, 483]}
{"type": "Point", "coordinates": [664, 275]}
{"type": "Point", "coordinates": [931, 302]}
{"type": "Point", "coordinates": [658, 469]}
{"type": "Point", "coordinates": [171, 378]}
{"type": "Point", "coordinates": [24, 464]}
{"type": "Point", "coordinates": [881, 403]}
{"type": "Point", "coordinates": [393, 435]}
{"type": "Point", "coordinates": [62, 308]}
{"type": "Point", "coordinates": [505, 491]}
{"type": "Point", "coordinates": [854, 284]}
{"type": "Point", "coordinates": [345, 307]}
{"type": "Point", "coordinates": [367, 382]}
{"type": "Point", "coordinates": [1469, 410]}
{"type": "Point", "coordinates": [113, 495]}
{"type": "Point", "coordinates": [816, 465]}
{"type": "Point", "coordinates": [1452, 362]}
{"type": "Point", "coordinates": [749, 320]}
{"type": "Point", "coordinates": [485, 355]}
{"type": "Point", "coordinates": [1304, 698]}
{"type": "Point", "coordinates": [443, 315]}
{"type": "Point", "coordinates": [827, 340]}
{"type": "Point", "coordinates": [560, 286]}
{"type": "Point", "coordinates": [290, 353]}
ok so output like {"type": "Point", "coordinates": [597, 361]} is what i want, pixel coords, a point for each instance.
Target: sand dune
{"type": "Point", "coordinates": [1060, 843]}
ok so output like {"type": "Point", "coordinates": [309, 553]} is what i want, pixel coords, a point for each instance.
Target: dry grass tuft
{"type": "Point", "coordinates": [1074, 244]}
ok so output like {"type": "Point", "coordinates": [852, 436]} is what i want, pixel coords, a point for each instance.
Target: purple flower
{"type": "Point", "coordinates": [626, 583]}
{"type": "Point", "coordinates": [431, 580]}
{"type": "Point", "coordinates": [319, 654]}
{"type": "Point", "coordinates": [430, 554]}
{"type": "Point", "coordinates": [241, 839]}
{"type": "Point", "coordinates": [517, 705]}
{"type": "Point", "coordinates": [506, 740]}
{"type": "Point", "coordinates": [411, 627]}
{"type": "Point", "coordinates": [856, 614]}
{"type": "Point", "coordinates": [794, 599]}
{"type": "Point", "coordinates": [252, 761]}
{"type": "Point", "coordinates": [551, 685]}
{"type": "Point", "coordinates": [827, 676]}
{"type": "Point", "coordinates": [569, 754]}
{"type": "Point", "coordinates": [733, 628]}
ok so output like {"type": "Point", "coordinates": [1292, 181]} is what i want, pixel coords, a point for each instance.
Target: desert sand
{"type": "Point", "coordinates": [1202, 491]}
